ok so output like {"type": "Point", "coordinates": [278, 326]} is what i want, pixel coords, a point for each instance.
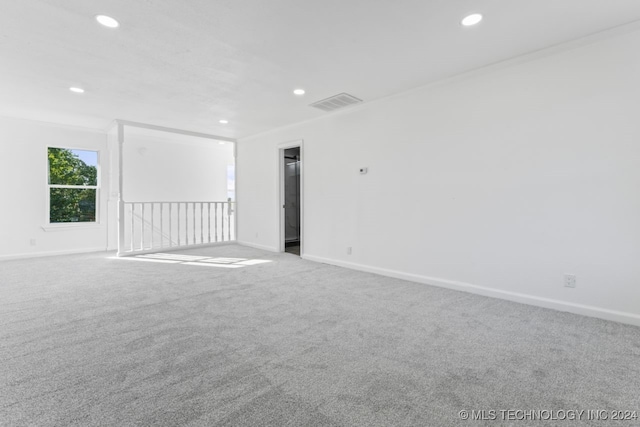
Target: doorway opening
{"type": "Point", "coordinates": [291, 200]}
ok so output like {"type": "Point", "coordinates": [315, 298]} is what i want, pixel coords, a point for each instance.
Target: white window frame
{"type": "Point", "coordinates": [85, 224]}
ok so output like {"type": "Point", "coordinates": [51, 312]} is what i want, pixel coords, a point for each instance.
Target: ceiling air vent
{"type": "Point", "coordinates": [337, 101]}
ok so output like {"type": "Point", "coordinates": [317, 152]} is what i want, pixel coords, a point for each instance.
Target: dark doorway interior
{"type": "Point", "coordinates": [292, 200]}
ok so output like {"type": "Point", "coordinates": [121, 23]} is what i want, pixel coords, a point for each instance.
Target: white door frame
{"type": "Point", "coordinates": [281, 147]}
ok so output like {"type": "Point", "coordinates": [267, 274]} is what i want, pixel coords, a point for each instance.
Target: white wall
{"type": "Point", "coordinates": [498, 182]}
{"type": "Point", "coordinates": [24, 190]}
{"type": "Point", "coordinates": [163, 166]}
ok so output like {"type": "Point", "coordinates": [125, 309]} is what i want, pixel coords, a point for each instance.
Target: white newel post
{"type": "Point", "coordinates": [120, 190]}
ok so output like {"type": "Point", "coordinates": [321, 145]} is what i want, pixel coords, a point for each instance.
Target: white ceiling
{"type": "Point", "coordinates": [189, 63]}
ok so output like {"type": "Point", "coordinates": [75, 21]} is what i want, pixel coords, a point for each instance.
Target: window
{"type": "Point", "coordinates": [73, 185]}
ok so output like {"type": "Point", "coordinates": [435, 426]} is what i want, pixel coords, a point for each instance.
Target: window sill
{"type": "Point", "coordinates": [71, 226]}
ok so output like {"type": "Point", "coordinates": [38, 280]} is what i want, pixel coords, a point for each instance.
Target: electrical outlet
{"type": "Point", "coordinates": [32, 242]}
{"type": "Point", "coordinates": [569, 280]}
{"type": "Point", "coordinates": [349, 250]}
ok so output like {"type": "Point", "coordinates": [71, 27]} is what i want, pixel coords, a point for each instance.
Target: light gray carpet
{"type": "Point", "coordinates": [87, 340]}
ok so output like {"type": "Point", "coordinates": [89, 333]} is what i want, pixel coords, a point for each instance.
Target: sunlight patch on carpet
{"type": "Point", "coordinates": [221, 262]}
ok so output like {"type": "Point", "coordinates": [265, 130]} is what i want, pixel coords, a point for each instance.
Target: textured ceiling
{"type": "Point", "coordinates": [189, 63]}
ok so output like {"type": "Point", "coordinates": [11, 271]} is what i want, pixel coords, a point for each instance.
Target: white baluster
{"type": "Point", "coordinates": [186, 223]}
{"type": "Point", "coordinates": [215, 214]}
{"type": "Point", "coordinates": [229, 220]}
{"type": "Point", "coordinates": [142, 226]}
{"type": "Point", "coordinates": [133, 207]}
{"type": "Point", "coordinates": [152, 212]}
{"type": "Point", "coordinates": [161, 225]}
{"type": "Point", "coordinates": [209, 221]}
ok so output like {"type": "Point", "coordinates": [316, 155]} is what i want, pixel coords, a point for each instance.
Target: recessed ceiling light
{"type": "Point", "coordinates": [76, 89]}
{"type": "Point", "coordinates": [472, 19]}
{"type": "Point", "coordinates": [224, 121]}
{"type": "Point", "coordinates": [299, 92]}
{"type": "Point", "coordinates": [221, 142]}
{"type": "Point", "coordinates": [107, 21]}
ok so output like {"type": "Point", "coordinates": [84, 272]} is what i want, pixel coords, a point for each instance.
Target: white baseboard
{"type": "Point", "coordinates": [52, 253]}
{"type": "Point", "coordinates": [585, 310]}
{"type": "Point", "coordinates": [257, 246]}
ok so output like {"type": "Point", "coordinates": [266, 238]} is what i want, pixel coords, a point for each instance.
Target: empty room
{"type": "Point", "coordinates": [336, 213]}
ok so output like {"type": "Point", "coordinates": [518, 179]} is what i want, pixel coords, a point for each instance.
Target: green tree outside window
{"type": "Point", "coordinates": [73, 185]}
